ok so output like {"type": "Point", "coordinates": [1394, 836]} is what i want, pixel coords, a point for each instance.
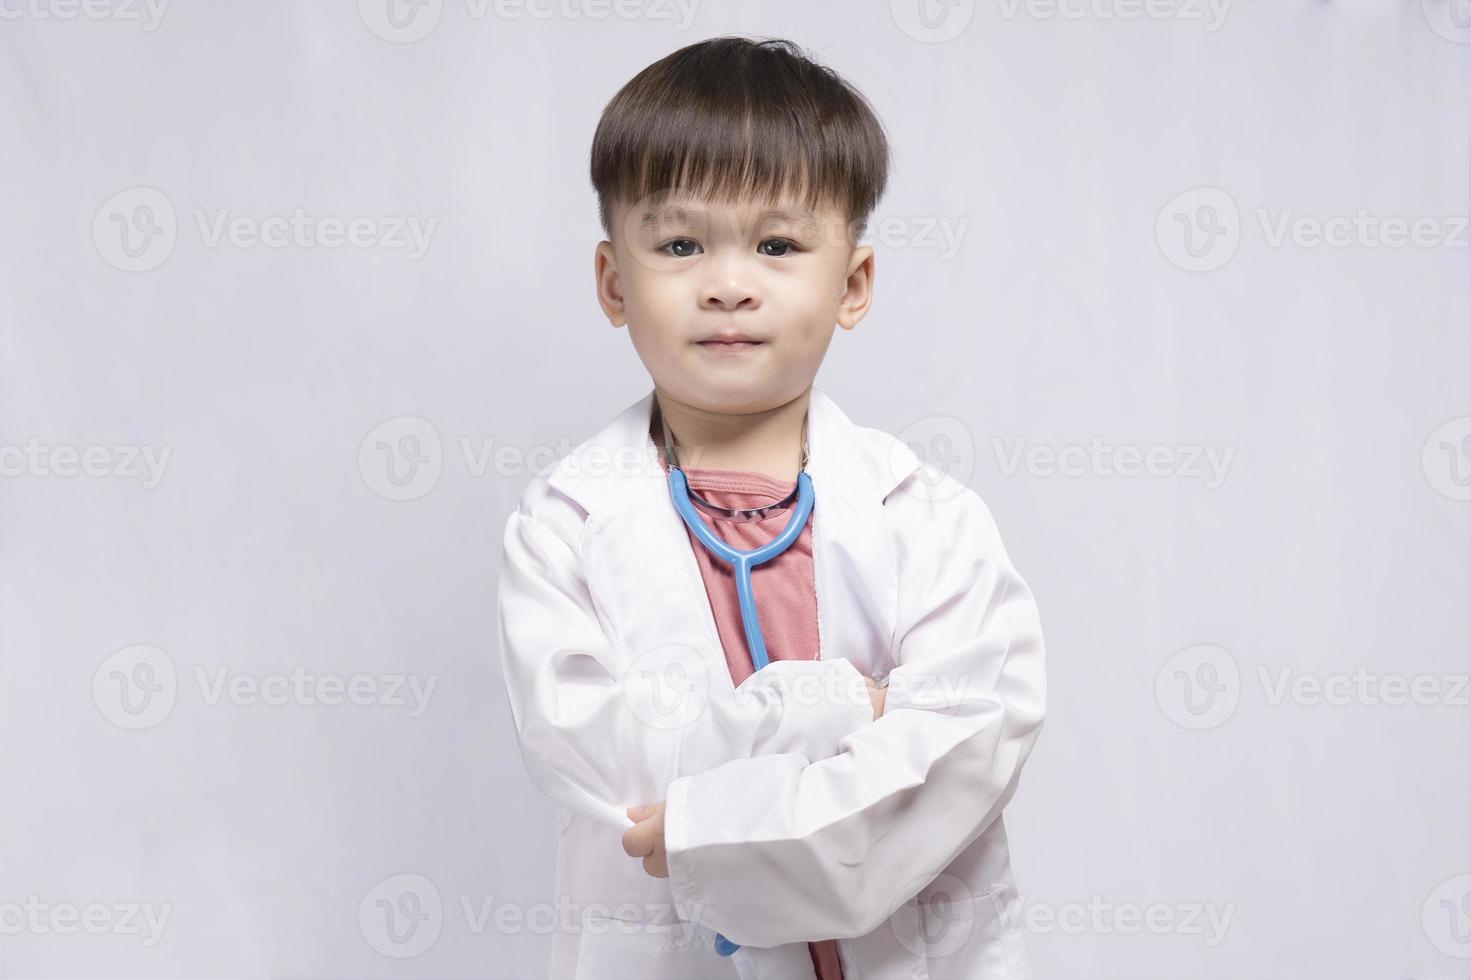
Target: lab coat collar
{"type": "Point", "coordinates": [620, 457]}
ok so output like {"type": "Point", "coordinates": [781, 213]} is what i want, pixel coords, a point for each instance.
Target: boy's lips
{"type": "Point", "coordinates": [730, 342]}
{"type": "Point", "coordinates": [730, 346]}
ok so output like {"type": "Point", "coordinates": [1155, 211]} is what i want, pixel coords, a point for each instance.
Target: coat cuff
{"type": "Point", "coordinates": [687, 899]}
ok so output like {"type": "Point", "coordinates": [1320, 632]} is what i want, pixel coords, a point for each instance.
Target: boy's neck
{"type": "Point", "coordinates": [768, 441]}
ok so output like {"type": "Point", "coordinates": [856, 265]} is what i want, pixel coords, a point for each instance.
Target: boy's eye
{"type": "Point", "coordinates": [681, 248]}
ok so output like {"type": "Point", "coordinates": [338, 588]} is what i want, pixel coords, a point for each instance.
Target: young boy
{"type": "Point", "coordinates": [828, 825]}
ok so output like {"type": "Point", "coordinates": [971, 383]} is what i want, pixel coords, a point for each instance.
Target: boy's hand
{"type": "Point", "coordinates": [645, 838]}
{"type": "Point", "coordinates": [876, 696]}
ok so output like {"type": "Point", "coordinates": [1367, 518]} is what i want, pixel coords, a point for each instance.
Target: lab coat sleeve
{"type": "Point", "coordinates": [598, 736]}
{"type": "Point", "coordinates": [777, 850]}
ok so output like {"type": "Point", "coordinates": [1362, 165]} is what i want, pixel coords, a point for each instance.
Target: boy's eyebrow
{"type": "Point", "coordinates": [675, 212]}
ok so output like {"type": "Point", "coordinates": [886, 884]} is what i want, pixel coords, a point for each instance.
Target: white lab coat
{"type": "Point", "coordinates": [792, 814]}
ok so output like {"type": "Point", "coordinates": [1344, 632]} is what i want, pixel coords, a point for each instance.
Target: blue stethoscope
{"type": "Point", "coordinates": [742, 562]}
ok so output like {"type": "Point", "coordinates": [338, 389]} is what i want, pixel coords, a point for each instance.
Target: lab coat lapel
{"type": "Point", "coordinates": [854, 563]}
{"type": "Point", "coordinates": [642, 570]}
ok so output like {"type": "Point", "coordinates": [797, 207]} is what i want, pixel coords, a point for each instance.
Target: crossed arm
{"type": "Point", "coordinates": [759, 798]}
{"type": "Point", "coordinates": [853, 836]}
{"type": "Point", "coordinates": [575, 707]}
{"type": "Point", "coordinates": [645, 839]}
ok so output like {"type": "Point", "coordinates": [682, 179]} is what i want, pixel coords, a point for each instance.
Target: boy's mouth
{"type": "Point", "coordinates": [730, 342]}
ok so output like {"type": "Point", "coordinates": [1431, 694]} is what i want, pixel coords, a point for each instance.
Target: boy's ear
{"type": "Point", "coordinates": [857, 288]}
{"type": "Point", "coordinates": [608, 283]}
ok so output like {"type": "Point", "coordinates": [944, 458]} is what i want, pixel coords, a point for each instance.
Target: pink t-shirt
{"type": "Point", "coordinates": [786, 598]}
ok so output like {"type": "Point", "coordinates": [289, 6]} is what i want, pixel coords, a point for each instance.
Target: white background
{"type": "Point", "coordinates": [1052, 144]}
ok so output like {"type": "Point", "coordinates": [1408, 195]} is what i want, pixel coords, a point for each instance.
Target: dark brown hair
{"type": "Point", "coordinates": [737, 119]}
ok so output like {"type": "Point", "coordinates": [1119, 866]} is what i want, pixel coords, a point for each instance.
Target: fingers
{"type": "Point", "coordinates": [876, 695]}
{"type": "Point", "coordinates": [646, 834]}
{"type": "Point", "coordinates": [638, 841]}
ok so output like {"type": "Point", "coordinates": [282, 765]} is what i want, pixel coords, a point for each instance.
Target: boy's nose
{"type": "Point", "coordinates": [729, 292]}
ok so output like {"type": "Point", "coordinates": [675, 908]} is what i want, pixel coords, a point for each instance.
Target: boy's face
{"type": "Point", "coordinates": [685, 273]}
